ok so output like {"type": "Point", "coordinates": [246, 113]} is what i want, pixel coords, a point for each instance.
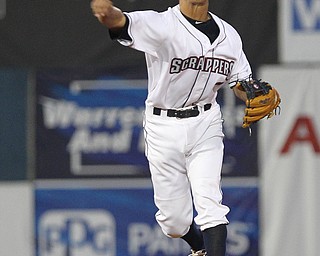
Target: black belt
{"type": "Point", "coordinates": [190, 112]}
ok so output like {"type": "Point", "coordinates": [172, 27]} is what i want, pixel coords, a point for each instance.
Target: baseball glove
{"type": "Point", "coordinates": [263, 100]}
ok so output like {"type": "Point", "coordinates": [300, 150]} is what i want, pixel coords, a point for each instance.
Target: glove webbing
{"type": "Point", "coordinates": [255, 88]}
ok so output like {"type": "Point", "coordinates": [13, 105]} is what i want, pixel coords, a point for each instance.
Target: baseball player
{"type": "Point", "coordinates": [190, 53]}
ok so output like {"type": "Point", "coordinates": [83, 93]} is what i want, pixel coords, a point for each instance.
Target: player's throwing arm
{"type": "Point", "coordinates": [109, 15]}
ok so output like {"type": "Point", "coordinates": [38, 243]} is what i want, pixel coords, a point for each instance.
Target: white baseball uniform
{"type": "Point", "coordinates": [185, 153]}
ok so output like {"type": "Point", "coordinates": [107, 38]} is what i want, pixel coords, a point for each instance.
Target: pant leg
{"type": "Point", "coordinates": [165, 146]}
{"type": "Point", "coordinates": [204, 165]}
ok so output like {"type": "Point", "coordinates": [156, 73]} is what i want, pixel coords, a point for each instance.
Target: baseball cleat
{"type": "Point", "coordinates": [198, 253]}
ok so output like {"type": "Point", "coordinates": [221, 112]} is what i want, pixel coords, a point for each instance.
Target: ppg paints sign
{"type": "Point", "coordinates": [77, 232]}
{"type": "Point", "coordinates": [299, 22]}
{"type": "Point", "coordinates": [120, 221]}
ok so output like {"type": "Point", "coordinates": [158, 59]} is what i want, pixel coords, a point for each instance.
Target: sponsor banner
{"type": "Point", "coordinates": [290, 173]}
{"type": "Point", "coordinates": [299, 31]}
{"type": "Point", "coordinates": [120, 222]}
{"type": "Point", "coordinates": [91, 125]}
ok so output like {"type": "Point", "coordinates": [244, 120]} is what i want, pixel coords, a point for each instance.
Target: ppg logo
{"type": "Point", "coordinates": [306, 15]}
{"type": "Point", "coordinates": [77, 233]}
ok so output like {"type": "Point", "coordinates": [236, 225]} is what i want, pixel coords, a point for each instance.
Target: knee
{"type": "Point", "coordinates": [175, 225]}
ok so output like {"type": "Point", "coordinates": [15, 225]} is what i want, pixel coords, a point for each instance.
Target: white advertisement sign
{"type": "Point", "coordinates": [16, 219]}
{"type": "Point", "coordinates": [289, 155]}
{"type": "Point", "coordinates": [299, 32]}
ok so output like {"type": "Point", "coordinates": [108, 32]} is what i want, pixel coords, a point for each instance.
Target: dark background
{"type": "Point", "coordinates": [64, 33]}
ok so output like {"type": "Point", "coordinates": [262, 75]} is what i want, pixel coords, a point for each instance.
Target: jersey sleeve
{"type": "Point", "coordinates": [241, 70]}
{"type": "Point", "coordinates": [121, 34]}
{"type": "Point", "coordinates": [147, 30]}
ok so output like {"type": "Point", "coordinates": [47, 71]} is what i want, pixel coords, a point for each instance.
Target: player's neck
{"type": "Point", "coordinates": [195, 11]}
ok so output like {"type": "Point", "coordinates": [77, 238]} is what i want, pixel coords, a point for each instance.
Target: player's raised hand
{"type": "Point", "coordinates": [101, 8]}
{"type": "Point", "coordinates": [107, 13]}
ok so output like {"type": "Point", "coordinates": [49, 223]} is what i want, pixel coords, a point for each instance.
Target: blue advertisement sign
{"type": "Point", "coordinates": [91, 125]}
{"type": "Point", "coordinates": [305, 15]}
{"type": "Point", "coordinates": [120, 222]}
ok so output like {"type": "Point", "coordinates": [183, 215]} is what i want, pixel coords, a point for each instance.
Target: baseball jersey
{"type": "Point", "coordinates": [184, 67]}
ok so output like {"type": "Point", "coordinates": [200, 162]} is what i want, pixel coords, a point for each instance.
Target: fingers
{"type": "Point", "coordinates": [101, 8]}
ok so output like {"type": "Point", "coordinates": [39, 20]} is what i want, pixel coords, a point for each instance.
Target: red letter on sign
{"type": "Point", "coordinates": [303, 131]}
